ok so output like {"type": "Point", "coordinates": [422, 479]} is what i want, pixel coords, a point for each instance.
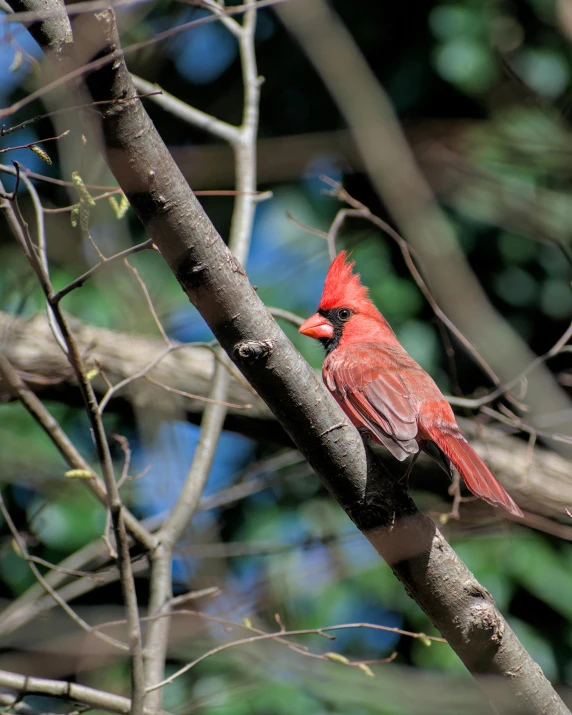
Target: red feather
{"type": "Point", "coordinates": [474, 471]}
{"type": "Point", "coordinates": [384, 391]}
{"type": "Point", "coordinates": [342, 284]}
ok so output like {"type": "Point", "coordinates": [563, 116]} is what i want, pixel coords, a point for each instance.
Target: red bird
{"type": "Point", "coordinates": [382, 390]}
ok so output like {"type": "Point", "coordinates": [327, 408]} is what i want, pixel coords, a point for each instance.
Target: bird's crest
{"type": "Point", "coordinates": [342, 287]}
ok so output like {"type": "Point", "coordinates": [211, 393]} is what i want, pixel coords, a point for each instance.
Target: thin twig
{"type": "Point", "coordinates": [65, 209]}
{"type": "Point", "coordinates": [29, 145]}
{"type": "Point", "coordinates": [126, 449]}
{"type": "Point", "coordinates": [63, 570]}
{"type": "Point", "coordinates": [518, 424]}
{"type": "Point", "coordinates": [66, 448]}
{"type": "Point", "coordinates": [43, 256]}
{"type": "Point", "coordinates": [200, 398]}
{"type": "Point", "coordinates": [25, 612]}
{"type": "Point", "coordinates": [143, 372]}
{"type": "Point", "coordinates": [78, 282]}
{"type": "Point", "coordinates": [474, 403]}
{"type": "Point", "coordinates": [48, 115]}
{"type": "Point", "coordinates": [149, 302]}
{"type": "Point", "coordinates": [287, 316]}
{"type": "Point", "coordinates": [283, 633]}
{"type": "Point", "coordinates": [53, 593]}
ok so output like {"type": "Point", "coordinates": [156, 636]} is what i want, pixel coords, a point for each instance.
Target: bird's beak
{"type": "Point", "coordinates": [317, 327]}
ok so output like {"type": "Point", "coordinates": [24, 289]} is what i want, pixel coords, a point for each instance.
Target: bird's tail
{"type": "Point", "coordinates": [474, 471]}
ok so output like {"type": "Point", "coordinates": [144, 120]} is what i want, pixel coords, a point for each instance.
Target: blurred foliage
{"type": "Point", "coordinates": [496, 79]}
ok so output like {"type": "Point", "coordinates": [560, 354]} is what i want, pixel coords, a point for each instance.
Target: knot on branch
{"type": "Point", "coordinates": [251, 350]}
{"type": "Point", "coordinates": [486, 622]}
{"type": "Point", "coordinates": [485, 619]}
{"type": "Point", "coordinates": [190, 274]}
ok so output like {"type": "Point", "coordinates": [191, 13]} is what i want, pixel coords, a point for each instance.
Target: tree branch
{"type": "Point", "coordinates": [68, 691]}
{"type": "Point", "coordinates": [184, 111]}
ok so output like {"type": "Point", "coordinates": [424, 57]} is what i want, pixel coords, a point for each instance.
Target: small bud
{"type": "Point", "coordinates": [424, 639]}
{"type": "Point", "coordinates": [17, 61]}
{"type": "Point", "coordinates": [74, 215]}
{"type": "Point", "coordinates": [42, 153]}
{"type": "Point", "coordinates": [337, 658]}
{"type": "Point", "coordinates": [119, 207]}
{"type": "Point", "coordinates": [78, 474]}
{"type": "Point", "coordinates": [81, 188]}
{"type": "Point", "coordinates": [366, 669]}
{"type": "Point", "coordinates": [86, 202]}
{"type": "Point", "coordinates": [90, 374]}
{"type": "Point", "coordinates": [247, 622]}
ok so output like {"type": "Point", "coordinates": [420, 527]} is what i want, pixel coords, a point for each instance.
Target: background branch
{"type": "Point", "coordinates": [243, 141]}
{"type": "Point", "coordinates": [69, 691]}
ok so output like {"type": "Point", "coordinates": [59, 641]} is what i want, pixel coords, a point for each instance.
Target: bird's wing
{"type": "Point", "coordinates": [374, 396]}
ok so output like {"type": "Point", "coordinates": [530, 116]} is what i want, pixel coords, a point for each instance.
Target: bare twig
{"type": "Point", "coordinates": [53, 593]}
{"type": "Point", "coordinates": [78, 282]}
{"type": "Point", "coordinates": [96, 699]}
{"type": "Point", "coordinates": [149, 302]}
{"type": "Point", "coordinates": [63, 570]}
{"type": "Point", "coordinates": [474, 403]}
{"type": "Point", "coordinates": [284, 633]}
{"type": "Point", "coordinates": [190, 395]}
{"type": "Point", "coordinates": [24, 611]}
{"type": "Point", "coordinates": [35, 143]}
{"type": "Point", "coordinates": [286, 315]}
{"type": "Point", "coordinates": [126, 449]}
{"type": "Point", "coordinates": [4, 131]}
{"type": "Point", "coordinates": [143, 372]}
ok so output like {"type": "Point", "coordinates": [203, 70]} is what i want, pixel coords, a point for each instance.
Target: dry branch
{"type": "Point", "coordinates": [96, 699]}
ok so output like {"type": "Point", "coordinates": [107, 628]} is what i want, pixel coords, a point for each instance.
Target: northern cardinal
{"type": "Point", "coordinates": [382, 390]}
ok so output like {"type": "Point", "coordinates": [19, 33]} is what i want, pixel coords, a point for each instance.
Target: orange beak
{"type": "Point", "coordinates": [317, 327]}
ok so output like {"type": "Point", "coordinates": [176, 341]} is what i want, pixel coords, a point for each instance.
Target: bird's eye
{"type": "Point", "coordinates": [344, 314]}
